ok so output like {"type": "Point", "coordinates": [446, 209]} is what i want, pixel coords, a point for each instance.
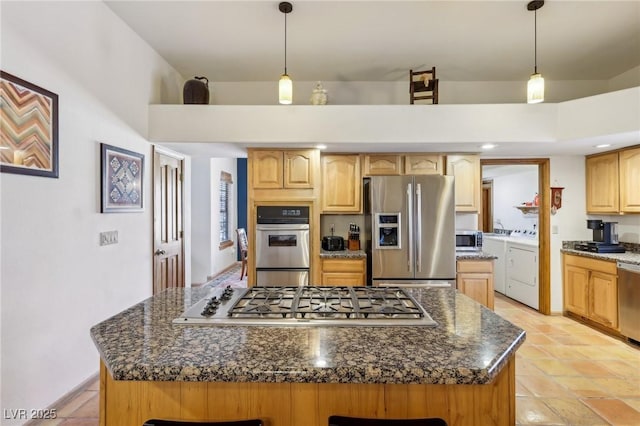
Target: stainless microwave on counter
{"type": "Point", "coordinates": [468, 240]}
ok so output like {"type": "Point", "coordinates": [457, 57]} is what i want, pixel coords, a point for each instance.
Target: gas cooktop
{"type": "Point", "coordinates": [307, 306]}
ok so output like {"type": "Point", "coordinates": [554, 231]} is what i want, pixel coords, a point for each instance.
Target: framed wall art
{"type": "Point", "coordinates": [28, 128]}
{"type": "Point", "coordinates": [121, 180]}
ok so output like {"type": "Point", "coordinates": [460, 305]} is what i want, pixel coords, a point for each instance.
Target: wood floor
{"type": "Point", "coordinates": [566, 374]}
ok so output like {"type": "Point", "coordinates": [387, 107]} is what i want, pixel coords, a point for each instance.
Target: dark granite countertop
{"type": "Point", "coordinates": [474, 255]}
{"type": "Point", "coordinates": [470, 345]}
{"type": "Point", "coordinates": [343, 254]}
{"type": "Point", "coordinates": [627, 257]}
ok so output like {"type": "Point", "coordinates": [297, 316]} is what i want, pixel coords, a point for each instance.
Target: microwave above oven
{"type": "Point", "coordinates": [468, 240]}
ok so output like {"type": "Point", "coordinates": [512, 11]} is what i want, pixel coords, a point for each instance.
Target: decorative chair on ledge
{"type": "Point", "coordinates": [355, 421]}
{"type": "Point", "coordinates": [184, 423]}
{"type": "Point", "coordinates": [423, 85]}
{"type": "Point", "coordinates": [244, 249]}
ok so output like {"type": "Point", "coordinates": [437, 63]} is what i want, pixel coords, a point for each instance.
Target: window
{"type": "Point", "coordinates": [225, 189]}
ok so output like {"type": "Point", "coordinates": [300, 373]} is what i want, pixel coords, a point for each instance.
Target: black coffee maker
{"type": "Point", "coordinates": [605, 238]}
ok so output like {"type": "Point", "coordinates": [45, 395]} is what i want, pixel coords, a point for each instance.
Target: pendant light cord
{"type": "Point", "coordinates": [535, 41]}
{"type": "Point", "coordinates": [285, 43]}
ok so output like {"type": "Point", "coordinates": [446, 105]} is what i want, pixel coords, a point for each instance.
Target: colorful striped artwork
{"type": "Point", "coordinates": [28, 128]}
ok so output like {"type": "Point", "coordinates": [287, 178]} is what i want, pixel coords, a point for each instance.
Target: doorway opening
{"type": "Point", "coordinates": [488, 218]}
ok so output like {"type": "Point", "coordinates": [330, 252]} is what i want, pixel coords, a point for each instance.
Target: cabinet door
{"type": "Point", "coordinates": [476, 286]}
{"type": "Point", "coordinates": [267, 169]}
{"type": "Point", "coordinates": [602, 183]}
{"type": "Point", "coordinates": [423, 164]}
{"type": "Point", "coordinates": [382, 164]}
{"type": "Point", "coordinates": [603, 297]}
{"type": "Point", "coordinates": [339, 279]}
{"type": "Point", "coordinates": [298, 169]}
{"type": "Point", "coordinates": [576, 286]}
{"type": "Point", "coordinates": [466, 171]}
{"type": "Point", "coordinates": [629, 180]}
{"type": "Point", "coordinates": [341, 183]}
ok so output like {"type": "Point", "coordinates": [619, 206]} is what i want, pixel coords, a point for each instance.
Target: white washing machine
{"type": "Point", "coordinates": [497, 246]}
{"type": "Point", "coordinates": [522, 282]}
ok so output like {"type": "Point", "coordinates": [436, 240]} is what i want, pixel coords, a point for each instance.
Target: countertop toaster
{"type": "Point", "coordinates": [333, 243]}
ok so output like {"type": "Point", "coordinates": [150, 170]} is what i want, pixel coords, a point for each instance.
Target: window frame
{"type": "Point", "coordinates": [226, 180]}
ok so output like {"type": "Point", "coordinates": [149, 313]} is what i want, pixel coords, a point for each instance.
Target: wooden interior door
{"type": "Point", "coordinates": [168, 247]}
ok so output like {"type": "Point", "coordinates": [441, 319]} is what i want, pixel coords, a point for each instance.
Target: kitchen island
{"type": "Point", "coordinates": [462, 370]}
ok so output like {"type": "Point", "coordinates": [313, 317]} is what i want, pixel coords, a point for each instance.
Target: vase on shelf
{"type": "Point", "coordinates": [319, 95]}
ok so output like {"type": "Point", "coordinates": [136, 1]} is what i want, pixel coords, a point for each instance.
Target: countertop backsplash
{"type": "Point", "coordinates": [341, 223]}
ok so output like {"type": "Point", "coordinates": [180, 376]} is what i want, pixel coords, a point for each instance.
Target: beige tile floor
{"type": "Point", "coordinates": [566, 374]}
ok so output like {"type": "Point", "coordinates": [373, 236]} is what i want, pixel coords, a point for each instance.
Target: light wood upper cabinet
{"type": "Point", "coordinates": [382, 164]}
{"type": "Point", "coordinates": [602, 183]}
{"type": "Point", "coordinates": [298, 168]}
{"type": "Point", "coordinates": [591, 289]}
{"type": "Point", "coordinates": [341, 183]}
{"type": "Point", "coordinates": [418, 164]}
{"type": "Point", "coordinates": [630, 180]}
{"type": "Point", "coordinates": [612, 182]}
{"type": "Point", "coordinates": [283, 169]}
{"type": "Point", "coordinates": [402, 164]}
{"type": "Point", "coordinates": [466, 171]}
{"type": "Point", "coordinates": [267, 169]}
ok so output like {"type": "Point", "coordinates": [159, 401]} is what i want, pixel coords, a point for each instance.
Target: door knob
{"type": "Point", "coordinates": [160, 252]}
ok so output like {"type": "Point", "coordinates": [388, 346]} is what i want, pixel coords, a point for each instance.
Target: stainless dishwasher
{"type": "Point", "coordinates": [629, 299]}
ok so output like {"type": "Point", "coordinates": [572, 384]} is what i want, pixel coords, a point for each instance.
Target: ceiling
{"type": "Point", "coordinates": [381, 40]}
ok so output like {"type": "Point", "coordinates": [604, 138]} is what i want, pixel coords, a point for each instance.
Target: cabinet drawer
{"type": "Point", "coordinates": [343, 265]}
{"type": "Point", "coordinates": [592, 264]}
{"type": "Point", "coordinates": [475, 266]}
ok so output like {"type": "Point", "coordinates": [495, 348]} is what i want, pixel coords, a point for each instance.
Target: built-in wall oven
{"type": "Point", "coordinates": [282, 246]}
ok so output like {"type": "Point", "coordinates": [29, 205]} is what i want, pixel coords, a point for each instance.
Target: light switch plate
{"type": "Point", "coordinates": [108, 237]}
{"type": "Point", "coordinates": [554, 229]}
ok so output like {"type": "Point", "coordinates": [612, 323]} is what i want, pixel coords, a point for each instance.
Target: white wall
{"type": "Point", "coordinates": [569, 220]}
{"type": "Point", "coordinates": [56, 281]}
{"type": "Point", "coordinates": [221, 259]}
{"type": "Point", "coordinates": [207, 259]}
{"type": "Point", "coordinates": [397, 92]}
{"type": "Point", "coordinates": [518, 185]}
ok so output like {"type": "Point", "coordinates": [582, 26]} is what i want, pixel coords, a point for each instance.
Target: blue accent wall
{"type": "Point", "coordinates": [242, 195]}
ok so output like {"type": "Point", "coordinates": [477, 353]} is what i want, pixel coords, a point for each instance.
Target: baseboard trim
{"type": "Point", "coordinates": [67, 398]}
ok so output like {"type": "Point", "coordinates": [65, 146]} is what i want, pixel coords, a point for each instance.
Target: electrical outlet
{"type": "Point", "coordinates": [109, 237]}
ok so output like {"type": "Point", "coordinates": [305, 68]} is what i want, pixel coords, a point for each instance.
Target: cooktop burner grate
{"type": "Point", "coordinates": [307, 305]}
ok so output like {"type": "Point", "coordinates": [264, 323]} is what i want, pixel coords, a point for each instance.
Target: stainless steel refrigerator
{"type": "Point", "coordinates": [412, 229]}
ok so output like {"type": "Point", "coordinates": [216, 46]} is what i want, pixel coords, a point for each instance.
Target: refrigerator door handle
{"type": "Point", "coordinates": [410, 223]}
{"type": "Point", "coordinates": [419, 227]}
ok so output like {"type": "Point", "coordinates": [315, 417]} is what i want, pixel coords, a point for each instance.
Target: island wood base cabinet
{"type": "Point", "coordinates": [131, 403]}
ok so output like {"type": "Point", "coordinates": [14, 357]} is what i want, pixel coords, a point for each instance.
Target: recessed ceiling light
{"type": "Point", "coordinates": [321, 146]}
{"type": "Point", "coordinates": [603, 145]}
{"type": "Point", "coordinates": [4, 147]}
{"type": "Point", "coordinates": [488, 146]}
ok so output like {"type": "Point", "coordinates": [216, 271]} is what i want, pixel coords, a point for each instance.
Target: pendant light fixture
{"type": "Point", "coordinates": [285, 86]}
{"type": "Point", "coordinates": [535, 87]}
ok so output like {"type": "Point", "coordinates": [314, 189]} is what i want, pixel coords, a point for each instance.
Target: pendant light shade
{"type": "Point", "coordinates": [285, 86]}
{"type": "Point", "coordinates": [285, 90]}
{"type": "Point", "coordinates": [535, 87]}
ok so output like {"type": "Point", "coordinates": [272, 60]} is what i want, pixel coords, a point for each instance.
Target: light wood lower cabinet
{"type": "Point", "coordinates": [475, 279]}
{"type": "Point", "coordinates": [591, 289]}
{"type": "Point", "coordinates": [344, 272]}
